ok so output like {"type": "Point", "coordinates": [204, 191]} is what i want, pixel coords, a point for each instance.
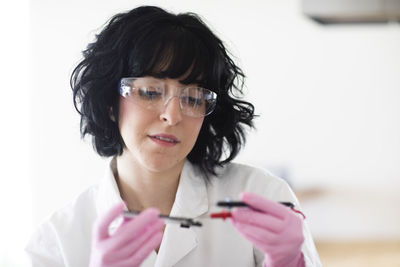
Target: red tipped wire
{"type": "Point", "coordinates": [226, 214]}
{"type": "Point", "coordinates": [222, 215]}
{"type": "Point", "coordinates": [299, 212]}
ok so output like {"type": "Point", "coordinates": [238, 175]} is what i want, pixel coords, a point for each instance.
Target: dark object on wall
{"type": "Point", "coordinates": [352, 11]}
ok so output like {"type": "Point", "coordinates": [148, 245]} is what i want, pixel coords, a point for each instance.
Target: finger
{"type": "Point", "coordinates": [131, 229]}
{"type": "Point", "coordinates": [255, 233]}
{"type": "Point", "coordinates": [134, 244]}
{"type": "Point", "coordinates": [255, 218]}
{"type": "Point", "coordinates": [268, 206]}
{"type": "Point", "coordinates": [143, 252]}
{"type": "Point", "coordinates": [140, 221]}
{"type": "Point", "coordinates": [101, 228]}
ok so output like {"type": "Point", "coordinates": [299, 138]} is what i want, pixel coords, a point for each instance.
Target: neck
{"type": "Point", "coordinates": [142, 188]}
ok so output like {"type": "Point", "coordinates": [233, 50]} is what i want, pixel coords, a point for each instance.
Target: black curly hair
{"type": "Point", "coordinates": [149, 41]}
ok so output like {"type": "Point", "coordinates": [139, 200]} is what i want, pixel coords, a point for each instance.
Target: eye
{"type": "Point", "coordinates": [149, 93]}
{"type": "Point", "coordinates": [193, 101]}
{"type": "Point", "coordinates": [193, 97]}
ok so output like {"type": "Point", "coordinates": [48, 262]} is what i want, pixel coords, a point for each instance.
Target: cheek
{"type": "Point", "coordinates": [122, 112]}
{"type": "Point", "coordinates": [124, 119]}
{"type": "Point", "coordinates": [131, 121]}
{"type": "Point", "coordinates": [194, 128]}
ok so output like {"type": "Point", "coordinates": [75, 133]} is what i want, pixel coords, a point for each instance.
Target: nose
{"type": "Point", "coordinates": [172, 112]}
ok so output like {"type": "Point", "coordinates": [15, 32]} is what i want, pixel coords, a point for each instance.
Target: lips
{"type": "Point", "coordinates": [164, 139]}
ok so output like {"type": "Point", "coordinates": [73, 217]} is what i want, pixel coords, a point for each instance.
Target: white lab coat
{"type": "Point", "coordinates": [64, 239]}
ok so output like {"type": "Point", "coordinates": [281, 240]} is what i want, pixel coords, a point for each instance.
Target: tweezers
{"type": "Point", "coordinates": [184, 222]}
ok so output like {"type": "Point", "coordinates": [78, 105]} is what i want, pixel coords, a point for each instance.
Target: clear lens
{"type": "Point", "coordinates": [144, 95]}
{"type": "Point", "coordinates": [194, 101]}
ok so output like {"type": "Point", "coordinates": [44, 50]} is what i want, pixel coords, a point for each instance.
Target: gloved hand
{"type": "Point", "coordinates": [271, 227]}
{"type": "Point", "coordinates": [132, 241]}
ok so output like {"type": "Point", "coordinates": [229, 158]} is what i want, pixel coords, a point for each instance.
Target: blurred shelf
{"type": "Point", "coordinates": [359, 253]}
{"type": "Point", "coordinates": [356, 213]}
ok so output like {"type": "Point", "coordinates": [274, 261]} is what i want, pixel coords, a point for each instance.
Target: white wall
{"type": "Point", "coordinates": [327, 96]}
{"type": "Point", "coordinates": [14, 131]}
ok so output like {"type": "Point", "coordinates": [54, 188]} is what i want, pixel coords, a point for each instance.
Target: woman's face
{"type": "Point", "coordinates": [158, 140]}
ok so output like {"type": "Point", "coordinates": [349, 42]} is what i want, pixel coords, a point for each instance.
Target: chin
{"type": "Point", "coordinates": [162, 164]}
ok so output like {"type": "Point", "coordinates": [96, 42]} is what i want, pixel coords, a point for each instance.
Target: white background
{"type": "Point", "coordinates": [328, 99]}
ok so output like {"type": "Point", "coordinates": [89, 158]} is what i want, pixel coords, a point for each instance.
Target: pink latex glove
{"type": "Point", "coordinates": [271, 227]}
{"type": "Point", "coordinates": [130, 244]}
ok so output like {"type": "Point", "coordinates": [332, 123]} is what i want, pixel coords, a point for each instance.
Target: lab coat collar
{"type": "Point", "coordinates": [191, 201]}
{"type": "Point", "coordinates": [108, 194]}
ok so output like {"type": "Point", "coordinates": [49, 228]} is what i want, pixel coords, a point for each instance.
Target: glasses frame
{"type": "Point", "coordinates": [125, 88]}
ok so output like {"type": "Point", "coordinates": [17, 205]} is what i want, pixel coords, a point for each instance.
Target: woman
{"type": "Point", "coordinates": [156, 91]}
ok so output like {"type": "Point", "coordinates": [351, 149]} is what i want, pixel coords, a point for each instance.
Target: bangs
{"type": "Point", "coordinates": [172, 52]}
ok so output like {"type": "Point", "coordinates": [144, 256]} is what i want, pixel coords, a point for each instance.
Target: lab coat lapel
{"type": "Point", "coordinates": [190, 201]}
{"type": "Point", "coordinates": [108, 194]}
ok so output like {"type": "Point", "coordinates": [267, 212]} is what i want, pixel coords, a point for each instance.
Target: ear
{"type": "Point", "coordinates": [111, 114]}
